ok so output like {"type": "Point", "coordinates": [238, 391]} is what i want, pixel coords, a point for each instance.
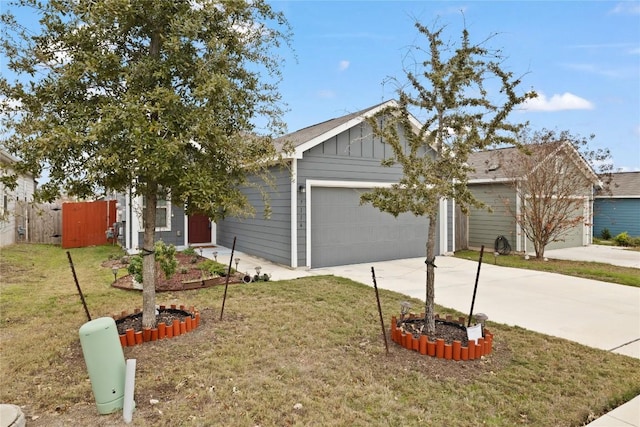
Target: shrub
{"type": "Point", "coordinates": [635, 242]}
{"type": "Point", "coordinates": [213, 267]}
{"type": "Point", "coordinates": [623, 239]}
{"type": "Point", "coordinates": [164, 255]}
{"type": "Point", "coordinates": [189, 251]}
{"type": "Point", "coordinates": [605, 234]}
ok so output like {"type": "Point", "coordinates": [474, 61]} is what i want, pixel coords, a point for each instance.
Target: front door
{"type": "Point", "coordinates": [199, 229]}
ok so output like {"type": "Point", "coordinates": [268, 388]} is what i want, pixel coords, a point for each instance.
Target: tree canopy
{"type": "Point", "coordinates": [462, 96]}
{"type": "Point", "coordinates": [152, 96]}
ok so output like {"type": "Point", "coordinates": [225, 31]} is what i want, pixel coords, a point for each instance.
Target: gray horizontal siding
{"type": "Point", "coordinates": [268, 238]}
{"type": "Point", "coordinates": [175, 236]}
{"type": "Point", "coordinates": [485, 226]}
{"type": "Point", "coordinates": [617, 215]}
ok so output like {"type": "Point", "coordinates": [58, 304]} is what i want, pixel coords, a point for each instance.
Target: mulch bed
{"type": "Point", "coordinates": [134, 321]}
{"type": "Point", "coordinates": [449, 331]}
{"type": "Point", "coordinates": [187, 276]}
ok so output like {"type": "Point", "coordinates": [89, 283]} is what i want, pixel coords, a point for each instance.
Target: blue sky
{"type": "Point", "coordinates": [581, 57]}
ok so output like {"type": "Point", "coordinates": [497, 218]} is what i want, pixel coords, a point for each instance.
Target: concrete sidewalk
{"type": "Point", "coordinates": [593, 313]}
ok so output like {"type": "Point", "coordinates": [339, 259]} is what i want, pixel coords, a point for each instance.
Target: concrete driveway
{"type": "Point", "coordinates": [614, 255]}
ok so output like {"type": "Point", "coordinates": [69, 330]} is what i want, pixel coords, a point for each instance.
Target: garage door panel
{"type": "Point", "coordinates": [344, 232]}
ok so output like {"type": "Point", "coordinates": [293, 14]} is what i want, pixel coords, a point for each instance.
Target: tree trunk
{"type": "Point", "coordinates": [539, 248]}
{"type": "Point", "coordinates": [149, 262]}
{"type": "Point", "coordinates": [429, 310]}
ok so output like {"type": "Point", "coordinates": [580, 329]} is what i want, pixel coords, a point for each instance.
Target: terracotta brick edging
{"type": "Point", "coordinates": [161, 331]}
{"type": "Point", "coordinates": [438, 348]}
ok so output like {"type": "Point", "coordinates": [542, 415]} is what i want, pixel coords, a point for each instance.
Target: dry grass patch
{"type": "Point", "coordinates": [300, 352]}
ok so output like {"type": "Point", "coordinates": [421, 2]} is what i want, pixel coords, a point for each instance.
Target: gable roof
{"type": "Point", "coordinates": [488, 164]}
{"type": "Point", "coordinates": [623, 185]}
{"type": "Point", "coordinates": [307, 138]}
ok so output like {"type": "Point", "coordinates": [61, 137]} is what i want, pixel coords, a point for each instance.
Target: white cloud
{"type": "Point", "coordinates": [566, 101]}
{"type": "Point", "coordinates": [326, 94]}
{"type": "Point", "coordinates": [627, 8]}
{"type": "Point", "coordinates": [594, 69]}
{"type": "Point", "coordinates": [344, 64]}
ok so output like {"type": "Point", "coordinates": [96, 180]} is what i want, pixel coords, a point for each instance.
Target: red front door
{"type": "Point", "coordinates": [199, 229]}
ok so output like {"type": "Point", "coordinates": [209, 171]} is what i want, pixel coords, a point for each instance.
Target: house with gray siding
{"type": "Point", "coordinates": [173, 226]}
{"type": "Point", "coordinates": [316, 217]}
{"type": "Point", "coordinates": [619, 209]}
{"type": "Point", "coordinates": [499, 191]}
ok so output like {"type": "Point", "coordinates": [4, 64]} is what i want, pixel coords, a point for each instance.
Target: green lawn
{"type": "Point", "coordinates": [313, 343]}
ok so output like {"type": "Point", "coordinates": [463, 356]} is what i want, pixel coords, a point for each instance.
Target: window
{"type": "Point", "coordinates": [163, 213]}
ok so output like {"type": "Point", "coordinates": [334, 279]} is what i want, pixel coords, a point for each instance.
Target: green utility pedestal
{"type": "Point", "coordinates": [105, 362]}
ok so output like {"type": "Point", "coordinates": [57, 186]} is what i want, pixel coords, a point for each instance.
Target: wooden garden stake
{"type": "Point", "coordinates": [75, 278]}
{"type": "Point", "coordinates": [226, 282]}
{"type": "Point", "coordinates": [475, 288]}
{"type": "Point", "coordinates": [375, 286]}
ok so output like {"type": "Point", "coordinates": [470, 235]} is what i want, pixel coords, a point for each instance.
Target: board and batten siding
{"type": "Point", "coordinates": [353, 155]}
{"type": "Point", "coordinates": [485, 226]}
{"type": "Point", "coordinates": [268, 238]}
{"type": "Point", "coordinates": [617, 215]}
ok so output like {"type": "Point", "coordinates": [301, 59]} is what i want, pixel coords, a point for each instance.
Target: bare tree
{"type": "Point", "coordinates": [554, 175]}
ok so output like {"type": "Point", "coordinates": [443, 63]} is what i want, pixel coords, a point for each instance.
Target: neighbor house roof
{"type": "Point", "coordinates": [307, 138]}
{"type": "Point", "coordinates": [488, 164]}
{"type": "Point", "coordinates": [623, 185]}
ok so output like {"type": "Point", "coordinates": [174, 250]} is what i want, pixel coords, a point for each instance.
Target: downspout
{"type": "Point", "coordinates": [294, 212]}
{"type": "Point", "coordinates": [185, 222]}
{"type": "Point", "coordinates": [453, 225]}
{"type": "Point", "coordinates": [443, 227]}
{"type": "Point", "coordinates": [521, 244]}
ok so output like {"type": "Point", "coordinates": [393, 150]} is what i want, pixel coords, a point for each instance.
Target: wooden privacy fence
{"type": "Point", "coordinates": [70, 224]}
{"type": "Point", "coordinates": [39, 222]}
{"type": "Point", "coordinates": [86, 223]}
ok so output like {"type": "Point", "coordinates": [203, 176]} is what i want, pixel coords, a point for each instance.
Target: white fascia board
{"type": "Point", "coordinates": [297, 154]}
{"type": "Point", "coordinates": [617, 197]}
{"type": "Point", "coordinates": [346, 184]}
{"type": "Point", "coordinates": [490, 180]}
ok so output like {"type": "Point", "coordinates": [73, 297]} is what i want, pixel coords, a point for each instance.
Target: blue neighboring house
{"type": "Point", "coordinates": [619, 211]}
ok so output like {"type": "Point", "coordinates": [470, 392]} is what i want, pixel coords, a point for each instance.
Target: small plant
{"type": "Point", "coordinates": [623, 239]}
{"type": "Point", "coordinates": [213, 267]}
{"type": "Point", "coordinates": [135, 267]}
{"type": "Point", "coordinates": [189, 251]}
{"type": "Point", "coordinates": [184, 270]}
{"type": "Point", "coordinates": [605, 234]}
{"type": "Point", "coordinates": [165, 256]}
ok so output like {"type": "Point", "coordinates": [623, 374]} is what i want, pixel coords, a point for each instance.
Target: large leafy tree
{"type": "Point", "coordinates": [553, 174]}
{"type": "Point", "coordinates": [160, 97]}
{"type": "Point", "coordinates": [462, 96]}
